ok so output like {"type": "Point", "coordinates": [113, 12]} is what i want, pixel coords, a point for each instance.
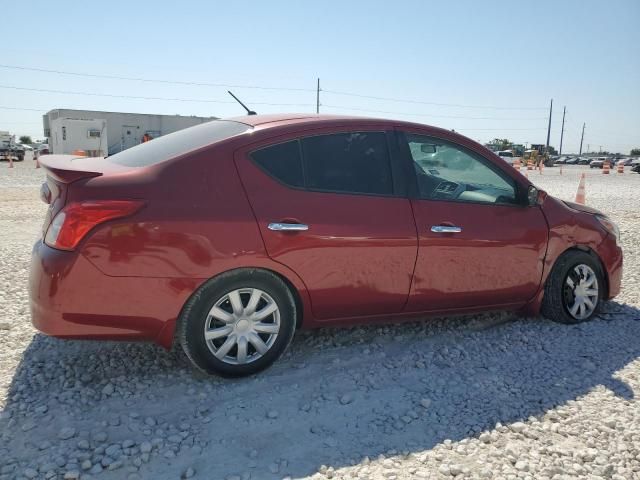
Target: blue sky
{"type": "Point", "coordinates": [511, 55]}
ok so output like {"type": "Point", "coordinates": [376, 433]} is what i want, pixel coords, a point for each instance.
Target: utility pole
{"type": "Point", "coordinates": [581, 139]}
{"type": "Point", "coordinates": [318, 97]}
{"type": "Point", "coordinates": [564, 111]}
{"type": "Point", "coordinates": [549, 127]}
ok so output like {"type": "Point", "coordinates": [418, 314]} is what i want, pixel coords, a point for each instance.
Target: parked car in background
{"type": "Point", "coordinates": [597, 162]}
{"type": "Point", "coordinates": [14, 150]}
{"type": "Point", "coordinates": [572, 160]}
{"type": "Point", "coordinates": [627, 161]}
{"type": "Point", "coordinates": [42, 149]}
{"type": "Point", "coordinates": [635, 166]}
{"type": "Point", "coordinates": [230, 235]}
{"type": "Point", "coordinates": [584, 160]}
{"type": "Point", "coordinates": [506, 155]}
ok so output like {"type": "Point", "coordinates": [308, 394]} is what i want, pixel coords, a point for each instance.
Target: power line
{"type": "Point", "coordinates": [421, 102]}
{"type": "Point", "coordinates": [195, 100]}
{"type": "Point", "coordinates": [24, 109]}
{"type": "Point", "coordinates": [428, 114]}
{"type": "Point", "coordinates": [258, 87]}
{"type": "Point", "coordinates": [153, 80]}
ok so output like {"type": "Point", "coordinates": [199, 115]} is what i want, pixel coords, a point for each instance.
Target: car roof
{"type": "Point", "coordinates": [311, 119]}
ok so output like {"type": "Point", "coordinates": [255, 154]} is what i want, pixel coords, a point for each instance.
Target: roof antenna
{"type": "Point", "coordinates": [249, 112]}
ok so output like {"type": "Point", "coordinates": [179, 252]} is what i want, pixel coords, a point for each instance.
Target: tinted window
{"type": "Point", "coordinates": [176, 143]}
{"type": "Point", "coordinates": [447, 172]}
{"type": "Point", "coordinates": [282, 161]}
{"type": "Point", "coordinates": [355, 162]}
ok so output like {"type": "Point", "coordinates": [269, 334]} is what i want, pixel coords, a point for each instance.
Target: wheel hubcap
{"type": "Point", "coordinates": [581, 292]}
{"type": "Point", "coordinates": [242, 326]}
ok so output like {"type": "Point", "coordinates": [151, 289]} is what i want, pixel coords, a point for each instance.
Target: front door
{"type": "Point", "coordinates": [479, 244]}
{"type": "Point", "coordinates": [327, 208]}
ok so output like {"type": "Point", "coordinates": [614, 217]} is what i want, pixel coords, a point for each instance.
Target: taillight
{"type": "Point", "coordinates": [75, 220]}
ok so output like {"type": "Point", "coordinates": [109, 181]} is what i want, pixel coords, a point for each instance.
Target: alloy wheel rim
{"type": "Point", "coordinates": [242, 326]}
{"type": "Point", "coordinates": [581, 292]}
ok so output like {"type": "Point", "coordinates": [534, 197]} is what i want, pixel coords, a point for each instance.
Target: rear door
{"type": "Point", "coordinates": [331, 206]}
{"type": "Point", "coordinates": [479, 245]}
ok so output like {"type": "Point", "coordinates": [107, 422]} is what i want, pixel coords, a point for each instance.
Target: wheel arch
{"type": "Point", "coordinates": [167, 336]}
{"type": "Point", "coordinates": [534, 305]}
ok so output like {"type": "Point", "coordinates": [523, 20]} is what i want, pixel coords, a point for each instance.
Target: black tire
{"type": "Point", "coordinates": [191, 323]}
{"type": "Point", "coordinates": [554, 303]}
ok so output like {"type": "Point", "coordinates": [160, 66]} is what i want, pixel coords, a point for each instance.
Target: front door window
{"type": "Point", "coordinates": [448, 172]}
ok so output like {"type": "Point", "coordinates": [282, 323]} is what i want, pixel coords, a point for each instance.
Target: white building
{"type": "Point", "coordinates": [107, 133]}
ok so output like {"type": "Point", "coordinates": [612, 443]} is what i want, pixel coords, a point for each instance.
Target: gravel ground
{"type": "Point", "coordinates": [488, 396]}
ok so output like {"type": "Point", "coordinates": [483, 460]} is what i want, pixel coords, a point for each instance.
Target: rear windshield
{"type": "Point", "coordinates": [176, 143]}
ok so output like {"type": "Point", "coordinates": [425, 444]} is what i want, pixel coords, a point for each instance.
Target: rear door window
{"type": "Point", "coordinates": [282, 161]}
{"type": "Point", "coordinates": [354, 162]}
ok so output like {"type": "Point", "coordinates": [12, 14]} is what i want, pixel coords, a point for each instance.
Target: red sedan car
{"type": "Point", "coordinates": [228, 236]}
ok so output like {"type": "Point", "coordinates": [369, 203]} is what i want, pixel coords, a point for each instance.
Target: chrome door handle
{"type": "Point", "coordinates": [288, 227]}
{"type": "Point", "coordinates": [445, 229]}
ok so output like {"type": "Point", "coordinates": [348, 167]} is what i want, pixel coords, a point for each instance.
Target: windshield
{"type": "Point", "coordinates": [177, 143]}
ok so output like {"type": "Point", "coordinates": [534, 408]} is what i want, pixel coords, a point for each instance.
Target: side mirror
{"type": "Point", "coordinates": [535, 196]}
{"type": "Point", "coordinates": [427, 148]}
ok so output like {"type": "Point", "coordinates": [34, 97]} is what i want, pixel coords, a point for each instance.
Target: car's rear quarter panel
{"type": "Point", "coordinates": [195, 220]}
{"type": "Point", "coordinates": [196, 224]}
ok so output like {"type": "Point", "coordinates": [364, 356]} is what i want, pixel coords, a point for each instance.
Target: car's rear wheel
{"type": "Point", "coordinates": [574, 290]}
{"type": "Point", "coordinates": [238, 323]}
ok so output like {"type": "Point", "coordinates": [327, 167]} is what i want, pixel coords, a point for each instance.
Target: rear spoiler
{"type": "Point", "coordinates": [70, 168]}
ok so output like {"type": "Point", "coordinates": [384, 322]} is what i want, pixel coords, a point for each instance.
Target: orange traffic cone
{"type": "Point", "coordinates": [10, 161]}
{"type": "Point", "coordinates": [79, 153]}
{"type": "Point", "coordinates": [540, 167]}
{"type": "Point", "coordinates": [605, 168]}
{"type": "Point", "coordinates": [530, 165]}
{"type": "Point", "coordinates": [581, 195]}
{"type": "Point", "coordinates": [621, 166]}
{"type": "Point", "coordinates": [516, 164]}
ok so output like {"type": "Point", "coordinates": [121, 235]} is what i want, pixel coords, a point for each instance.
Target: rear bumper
{"type": "Point", "coordinates": [71, 298]}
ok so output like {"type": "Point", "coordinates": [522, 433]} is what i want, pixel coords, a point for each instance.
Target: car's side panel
{"type": "Point", "coordinates": [496, 259]}
{"type": "Point", "coordinates": [71, 298]}
{"type": "Point", "coordinates": [357, 257]}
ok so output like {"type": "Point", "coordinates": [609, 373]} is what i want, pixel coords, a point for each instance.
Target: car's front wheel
{"type": "Point", "coordinates": [574, 290]}
{"type": "Point", "coordinates": [238, 323]}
